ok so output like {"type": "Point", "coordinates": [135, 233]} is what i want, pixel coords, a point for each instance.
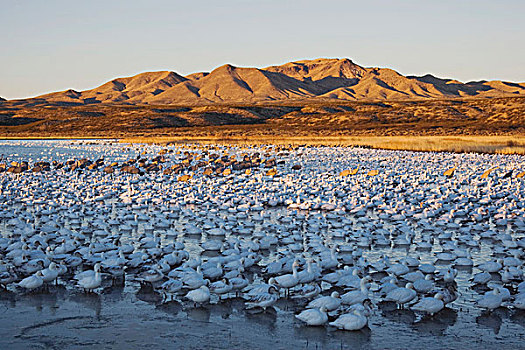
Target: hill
{"type": "Point", "coordinates": [323, 97]}
{"type": "Point", "coordinates": [320, 80]}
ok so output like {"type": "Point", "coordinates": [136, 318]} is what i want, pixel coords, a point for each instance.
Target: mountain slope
{"type": "Point", "coordinates": [319, 79]}
{"type": "Point", "coordinates": [126, 90]}
{"type": "Point", "coordinates": [228, 83]}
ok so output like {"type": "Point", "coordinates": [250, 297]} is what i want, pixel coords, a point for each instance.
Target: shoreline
{"type": "Point", "coordinates": [501, 144]}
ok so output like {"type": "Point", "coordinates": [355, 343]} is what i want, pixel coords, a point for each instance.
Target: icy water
{"type": "Point", "coordinates": [132, 317]}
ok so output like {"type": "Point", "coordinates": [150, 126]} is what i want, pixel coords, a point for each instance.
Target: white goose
{"type": "Point", "coordinates": [32, 282]}
{"type": "Point", "coordinates": [200, 295]}
{"type": "Point", "coordinates": [221, 287]}
{"type": "Point", "coordinates": [491, 300]}
{"type": "Point", "coordinates": [50, 274]}
{"type": "Point", "coordinates": [357, 296]}
{"type": "Point", "coordinates": [519, 301]}
{"type": "Point", "coordinates": [287, 281]}
{"type": "Point", "coordinates": [350, 321]}
{"type": "Point", "coordinates": [308, 275]}
{"type": "Point", "coordinates": [402, 295]}
{"type": "Point", "coordinates": [263, 300]}
{"type": "Point", "coordinates": [329, 302]}
{"type": "Point", "coordinates": [93, 281]}
{"type": "Point", "coordinates": [424, 285]}
{"type": "Point", "coordinates": [313, 317]}
{"type": "Point", "coordinates": [430, 305]}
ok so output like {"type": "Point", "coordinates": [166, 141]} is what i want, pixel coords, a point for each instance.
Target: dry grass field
{"type": "Point", "coordinates": [502, 144]}
{"type": "Point", "coordinates": [493, 125]}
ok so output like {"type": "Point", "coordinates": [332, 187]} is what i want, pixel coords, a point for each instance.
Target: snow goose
{"type": "Point", "coordinates": [199, 296]}
{"type": "Point", "coordinates": [481, 278]}
{"type": "Point", "coordinates": [308, 275]}
{"type": "Point", "coordinates": [398, 269]}
{"type": "Point", "coordinates": [193, 279]}
{"type": "Point", "coordinates": [430, 305]}
{"type": "Point", "coordinates": [357, 296]}
{"type": "Point", "coordinates": [238, 283]}
{"type": "Point", "coordinates": [350, 321]}
{"type": "Point", "coordinates": [91, 281]}
{"type": "Point", "coordinates": [424, 285]}
{"type": "Point", "coordinates": [212, 272]}
{"type": "Point", "coordinates": [519, 301]}
{"type": "Point", "coordinates": [171, 286]}
{"type": "Point", "coordinates": [151, 275]}
{"type": "Point", "coordinates": [491, 300]}
{"type": "Point", "coordinates": [349, 280]}
{"type": "Point", "coordinates": [491, 266]}
{"type": "Point", "coordinates": [307, 291]}
{"type": "Point", "coordinates": [413, 276]}
{"type": "Point", "coordinates": [388, 285]}
{"type": "Point", "coordinates": [313, 317]}
{"type": "Point", "coordinates": [329, 302]}
{"type": "Point", "coordinates": [7, 275]}
{"type": "Point", "coordinates": [450, 275]}
{"type": "Point", "coordinates": [402, 295]}
{"type": "Point", "coordinates": [221, 287]}
{"type": "Point", "coordinates": [32, 282]}
{"type": "Point", "coordinates": [263, 300]}
{"type": "Point", "coordinates": [256, 289]}
{"type": "Point", "coordinates": [287, 281]}
{"type": "Point", "coordinates": [50, 273]}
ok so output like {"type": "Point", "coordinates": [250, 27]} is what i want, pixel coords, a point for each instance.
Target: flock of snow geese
{"type": "Point", "coordinates": [337, 230]}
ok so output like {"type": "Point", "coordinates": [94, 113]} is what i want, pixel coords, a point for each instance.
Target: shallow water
{"type": "Point", "coordinates": [134, 317]}
{"type": "Point", "coordinates": [131, 318]}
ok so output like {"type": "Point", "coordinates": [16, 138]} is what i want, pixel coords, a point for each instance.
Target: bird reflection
{"type": "Point", "coordinates": [40, 300]}
{"type": "Point", "coordinates": [490, 320]}
{"type": "Point", "coordinates": [171, 307]}
{"type": "Point", "coordinates": [7, 298]}
{"type": "Point", "coordinates": [201, 314]}
{"type": "Point", "coordinates": [88, 300]}
{"type": "Point", "coordinates": [148, 294]}
{"type": "Point", "coordinates": [390, 311]}
{"type": "Point", "coordinates": [312, 334]}
{"type": "Point", "coordinates": [266, 318]}
{"type": "Point", "coordinates": [223, 309]}
{"type": "Point", "coordinates": [351, 339]}
{"type": "Point", "coordinates": [437, 324]}
{"type": "Point", "coordinates": [518, 317]}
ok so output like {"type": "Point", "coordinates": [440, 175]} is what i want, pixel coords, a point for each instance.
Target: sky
{"type": "Point", "coordinates": [56, 45]}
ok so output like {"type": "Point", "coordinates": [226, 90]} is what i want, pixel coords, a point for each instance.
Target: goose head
{"type": "Point", "coordinates": [273, 290]}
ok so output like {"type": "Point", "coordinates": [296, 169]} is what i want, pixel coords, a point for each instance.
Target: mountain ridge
{"type": "Point", "coordinates": [323, 79]}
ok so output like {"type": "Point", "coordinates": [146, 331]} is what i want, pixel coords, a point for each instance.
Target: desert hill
{"type": "Point", "coordinates": [320, 80]}
{"type": "Point", "coordinates": [324, 97]}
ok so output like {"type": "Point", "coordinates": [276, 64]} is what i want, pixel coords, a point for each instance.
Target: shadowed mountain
{"type": "Point", "coordinates": [312, 80]}
{"type": "Point", "coordinates": [121, 90]}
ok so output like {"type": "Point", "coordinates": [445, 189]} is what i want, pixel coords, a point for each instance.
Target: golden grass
{"type": "Point", "coordinates": [514, 144]}
{"type": "Point", "coordinates": [73, 138]}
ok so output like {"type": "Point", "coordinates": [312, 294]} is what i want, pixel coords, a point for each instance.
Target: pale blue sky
{"type": "Point", "coordinates": [55, 45]}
